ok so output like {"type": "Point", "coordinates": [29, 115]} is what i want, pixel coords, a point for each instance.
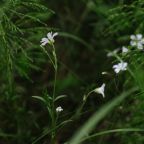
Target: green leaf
{"type": "Point", "coordinates": [39, 98]}
{"type": "Point", "coordinates": [60, 97]}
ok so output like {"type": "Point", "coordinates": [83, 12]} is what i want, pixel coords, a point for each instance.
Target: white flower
{"type": "Point", "coordinates": [140, 45]}
{"type": "Point", "coordinates": [49, 39]}
{"type": "Point", "coordinates": [59, 109]}
{"type": "Point", "coordinates": [137, 41]}
{"type": "Point", "coordinates": [104, 73]}
{"type": "Point", "coordinates": [136, 37]}
{"type": "Point", "coordinates": [122, 66]}
{"type": "Point", "coordinates": [44, 41]}
{"type": "Point", "coordinates": [100, 90]}
{"type": "Point", "coordinates": [124, 49]}
{"type": "Point", "coordinates": [110, 54]}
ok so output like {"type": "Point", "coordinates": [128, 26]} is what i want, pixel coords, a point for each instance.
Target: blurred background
{"type": "Point", "coordinates": [87, 30]}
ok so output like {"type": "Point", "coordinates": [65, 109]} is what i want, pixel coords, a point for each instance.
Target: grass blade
{"type": "Point", "coordinates": [95, 119]}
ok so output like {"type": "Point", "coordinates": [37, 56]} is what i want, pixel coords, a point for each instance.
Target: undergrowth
{"type": "Point", "coordinates": [71, 72]}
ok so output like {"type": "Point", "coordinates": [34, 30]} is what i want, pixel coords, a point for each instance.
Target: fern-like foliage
{"type": "Point", "coordinates": [17, 18]}
{"type": "Point", "coordinates": [127, 17]}
{"type": "Point", "coordinates": [21, 24]}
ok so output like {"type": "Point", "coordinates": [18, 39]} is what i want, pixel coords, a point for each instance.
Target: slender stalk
{"type": "Point", "coordinates": [55, 67]}
{"type": "Point", "coordinates": [54, 95]}
{"type": "Point", "coordinates": [48, 56]}
{"type": "Point", "coordinates": [83, 103]}
{"type": "Point", "coordinates": [53, 59]}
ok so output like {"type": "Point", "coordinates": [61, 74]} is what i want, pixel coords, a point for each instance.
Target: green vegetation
{"type": "Point", "coordinates": [71, 72]}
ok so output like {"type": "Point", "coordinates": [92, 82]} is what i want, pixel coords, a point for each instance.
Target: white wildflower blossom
{"type": "Point", "coordinates": [100, 90]}
{"type": "Point", "coordinates": [122, 66]}
{"type": "Point", "coordinates": [49, 39]}
{"type": "Point", "coordinates": [112, 53]}
{"type": "Point", "coordinates": [104, 73]}
{"type": "Point", "coordinates": [137, 41]}
{"type": "Point", "coordinates": [124, 49]}
{"type": "Point", "coordinates": [59, 109]}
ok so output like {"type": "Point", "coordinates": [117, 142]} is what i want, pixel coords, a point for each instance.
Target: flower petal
{"type": "Point", "coordinates": [55, 34]}
{"type": "Point", "coordinates": [139, 46]}
{"type": "Point", "coordinates": [124, 49]}
{"type": "Point", "coordinates": [132, 37]}
{"type": "Point", "coordinates": [139, 36]}
{"type": "Point", "coordinates": [44, 41]}
{"type": "Point", "coordinates": [122, 66]}
{"type": "Point", "coordinates": [100, 90]}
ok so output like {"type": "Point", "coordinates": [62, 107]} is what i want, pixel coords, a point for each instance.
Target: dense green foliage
{"type": "Point", "coordinates": [36, 79]}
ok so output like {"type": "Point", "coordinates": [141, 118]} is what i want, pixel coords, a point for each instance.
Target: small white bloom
{"type": "Point", "coordinates": [136, 37]}
{"type": "Point", "coordinates": [49, 39]}
{"type": "Point", "coordinates": [137, 41]}
{"type": "Point", "coordinates": [140, 45]}
{"type": "Point", "coordinates": [139, 36]}
{"type": "Point", "coordinates": [132, 37]}
{"type": "Point", "coordinates": [100, 90]}
{"type": "Point", "coordinates": [59, 109]}
{"type": "Point", "coordinates": [124, 49]}
{"type": "Point", "coordinates": [122, 66]}
{"type": "Point", "coordinates": [104, 73]}
{"type": "Point", "coordinates": [133, 43]}
{"type": "Point", "coordinates": [112, 53]}
{"type": "Point", "coordinates": [44, 41]}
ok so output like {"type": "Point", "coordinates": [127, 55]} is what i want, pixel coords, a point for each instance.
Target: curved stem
{"type": "Point", "coordinates": [83, 103]}
{"type": "Point", "coordinates": [112, 131]}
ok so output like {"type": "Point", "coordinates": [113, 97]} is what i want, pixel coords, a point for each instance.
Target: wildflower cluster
{"type": "Point", "coordinates": [136, 41]}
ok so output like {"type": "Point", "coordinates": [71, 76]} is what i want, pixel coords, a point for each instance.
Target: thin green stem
{"type": "Point", "coordinates": [48, 56]}
{"type": "Point", "coordinates": [54, 95]}
{"type": "Point", "coordinates": [83, 103]}
{"type": "Point", "coordinates": [53, 114]}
